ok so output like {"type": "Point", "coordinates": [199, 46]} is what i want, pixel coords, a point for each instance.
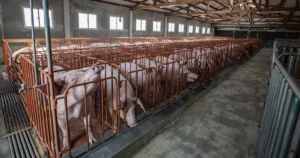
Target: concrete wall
{"type": "Point", "coordinates": [14, 24]}
{"type": "Point", "coordinates": [103, 11]}
{"type": "Point", "coordinates": [194, 24]}
{"type": "Point", "coordinates": [14, 27]}
{"type": "Point", "coordinates": [149, 17]}
{"type": "Point", "coordinates": [177, 21]}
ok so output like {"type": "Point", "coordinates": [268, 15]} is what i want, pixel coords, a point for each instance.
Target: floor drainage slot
{"type": "Point", "coordinates": [21, 144]}
{"type": "Point", "coordinates": [9, 99]}
{"type": "Point", "coordinates": [7, 87]}
{"type": "Point", "coordinates": [15, 117]}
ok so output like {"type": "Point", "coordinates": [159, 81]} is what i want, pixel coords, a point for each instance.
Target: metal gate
{"type": "Point", "coordinates": [279, 133]}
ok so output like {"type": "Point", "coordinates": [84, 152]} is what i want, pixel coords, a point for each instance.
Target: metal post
{"type": "Point", "coordinates": [166, 25]}
{"type": "Point", "coordinates": [233, 34]}
{"type": "Point", "coordinates": [50, 69]}
{"type": "Point", "coordinates": [33, 44]}
{"type": "Point", "coordinates": [130, 23]}
{"type": "Point", "coordinates": [249, 32]}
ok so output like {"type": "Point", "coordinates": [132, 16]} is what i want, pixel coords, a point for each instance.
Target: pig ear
{"type": "Point", "coordinates": [139, 102]}
{"type": "Point", "coordinates": [84, 69]}
{"type": "Point", "coordinates": [60, 81]}
{"type": "Point", "coordinates": [183, 62]}
{"type": "Point", "coordinates": [122, 100]}
{"type": "Point", "coordinates": [186, 71]}
{"type": "Point", "coordinates": [72, 80]}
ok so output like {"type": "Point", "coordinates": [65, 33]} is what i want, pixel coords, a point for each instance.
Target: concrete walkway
{"type": "Point", "coordinates": [221, 124]}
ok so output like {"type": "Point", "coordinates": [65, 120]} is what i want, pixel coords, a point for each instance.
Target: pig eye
{"type": "Point", "coordinates": [94, 69]}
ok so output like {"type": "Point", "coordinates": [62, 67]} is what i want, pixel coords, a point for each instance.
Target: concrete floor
{"type": "Point", "coordinates": [221, 124]}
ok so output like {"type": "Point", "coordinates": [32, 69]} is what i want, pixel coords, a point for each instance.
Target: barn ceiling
{"type": "Point", "coordinates": [265, 14]}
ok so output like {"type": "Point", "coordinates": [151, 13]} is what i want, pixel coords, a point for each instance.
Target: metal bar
{"type": "Point", "coordinates": [33, 43]}
{"type": "Point", "coordinates": [294, 111]}
{"type": "Point", "coordinates": [50, 69]}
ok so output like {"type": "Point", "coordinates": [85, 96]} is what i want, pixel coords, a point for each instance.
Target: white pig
{"type": "Point", "coordinates": [176, 69]}
{"type": "Point", "coordinates": [75, 98]}
{"type": "Point", "coordinates": [142, 80]}
{"type": "Point", "coordinates": [128, 101]}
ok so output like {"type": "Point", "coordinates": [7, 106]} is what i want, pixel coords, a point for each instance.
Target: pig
{"type": "Point", "coordinates": [72, 46]}
{"type": "Point", "coordinates": [147, 63]}
{"type": "Point", "coordinates": [128, 101]}
{"type": "Point", "coordinates": [101, 45]}
{"type": "Point", "coordinates": [27, 50]}
{"type": "Point", "coordinates": [75, 96]}
{"type": "Point", "coordinates": [190, 62]}
{"type": "Point", "coordinates": [177, 70]}
{"type": "Point", "coordinates": [145, 80]}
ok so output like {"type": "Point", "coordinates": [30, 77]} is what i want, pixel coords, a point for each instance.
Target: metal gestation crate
{"type": "Point", "coordinates": [158, 70]}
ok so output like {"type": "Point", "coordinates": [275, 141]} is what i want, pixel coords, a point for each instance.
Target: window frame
{"type": "Point", "coordinates": [88, 21]}
{"type": "Point", "coordinates": [141, 25]}
{"type": "Point", "coordinates": [173, 30]}
{"type": "Point", "coordinates": [181, 27]}
{"type": "Point", "coordinates": [191, 26]}
{"type": "Point", "coordinates": [208, 28]}
{"type": "Point", "coordinates": [159, 25]}
{"type": "Point", "coordinates": [204, 30]}
{"type": "Point", "coordinates": [117, 17]}
{"type": "Point", "coordinates": [198, 29]}
{"type": "Point", "coordinates": [39, 22]}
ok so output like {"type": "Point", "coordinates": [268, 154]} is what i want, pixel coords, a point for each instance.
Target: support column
{"type": "Point", "coordinates": [233, 34]}
{"type": "Point", "coordinates": [130, 22]}
{"type": "Point", "coordinates": [67, 18]}
{"type": "Point", "coordinates": [166, 25]}
{"type": "Point", "coordinates": [186, 28]}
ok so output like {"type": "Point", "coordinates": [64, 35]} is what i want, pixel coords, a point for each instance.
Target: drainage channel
{"type": "Point", "coordinates": [22, 144]}
{"type": "Point", "coordinates": [7, 87]}
{"type": "Point", "coordinates": [19, 136]}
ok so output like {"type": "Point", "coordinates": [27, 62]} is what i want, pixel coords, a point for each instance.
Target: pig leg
{"type": "Point", "coordinates": [62, 125]}
{"type": "Point", "coordinates": [88, 124]}
{"type": "Point", "coordinates": [114, 119]}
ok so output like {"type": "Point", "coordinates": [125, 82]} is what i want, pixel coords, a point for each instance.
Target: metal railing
{"type": "Point", "coordinates": [279, 133]}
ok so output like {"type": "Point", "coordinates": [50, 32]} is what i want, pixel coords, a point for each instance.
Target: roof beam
{"type": "Point", "coordinates": [137, 4]}
{"type": "Point", "coordinates": [167, 4]}
{"type": "Point", "coordinates": [245, 11]}
{"type": "Point", "coordinates": [295, 26]}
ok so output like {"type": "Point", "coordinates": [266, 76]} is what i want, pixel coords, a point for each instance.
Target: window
{"type": "Point", "coordinates": [208, 30]}
{"type": "Point", "coordinates": [116, 23]}
{"type": "Point", "coordinates": [191, 29]}
{"type": "Point", "coordinates": [181, 28]}
{"type": "Point", "coordinates": [140, 25]}
{"type": "Point", "coordinates": [38, 16]}
{"type": "Point", "coordinates": [203, 29]}
{"type": "Point", "coordinates": [87, 21]}
{"type": "Point", "coordinates": [197, 29]}
{"type": "Point", "coordinates": [156, 26]}
{"type": "Point", "coordinates": [171, 27]}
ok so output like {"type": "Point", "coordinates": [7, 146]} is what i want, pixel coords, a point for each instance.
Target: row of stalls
{"type": "Point", "coordinates": [136, 77]}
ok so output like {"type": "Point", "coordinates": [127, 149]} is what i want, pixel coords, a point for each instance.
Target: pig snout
{"type": "Point", "coordinates": [130, 119]}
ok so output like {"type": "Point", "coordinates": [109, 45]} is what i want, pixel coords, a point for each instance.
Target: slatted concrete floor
{"type": "Point", "coordinates": [14, 122]}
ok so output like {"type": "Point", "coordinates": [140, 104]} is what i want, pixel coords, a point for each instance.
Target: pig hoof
{"type": "Point", "coordinates": [132, 125]}
{"type": "Point", "coordinates": [65, 144]}
{"type": "Point", "coordinates": [92, 139]}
